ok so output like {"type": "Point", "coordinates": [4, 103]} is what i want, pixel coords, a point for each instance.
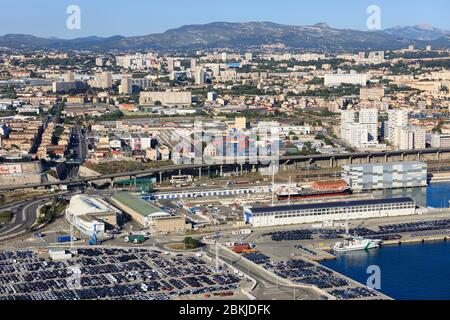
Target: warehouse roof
{"type": "Point", "coordinates": [84, 205]}
{"type": "Point", "coordinates": [389, 164]}
{"type": "Point", "coordinates": [138, 205]}
{"type": "Point", "coordinates": [344, 204]}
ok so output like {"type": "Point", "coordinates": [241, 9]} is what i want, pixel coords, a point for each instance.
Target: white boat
{"type": "Point", "coordinates": [356, 244]}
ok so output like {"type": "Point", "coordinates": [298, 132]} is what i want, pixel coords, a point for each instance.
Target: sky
{"type": "Point", "coordinates": [47, 18]}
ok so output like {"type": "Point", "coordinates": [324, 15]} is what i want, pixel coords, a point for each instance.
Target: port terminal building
{"type": "Point", "coordinates": [325, 212]}
{"type": "Point", "coordinates": [148, 215]}
{"type": "Point", "coordinates": [395, 175]}
{"type": "Point", "coordinates": [192, 194]}
{"type": "Point", "coordinates": [89, 213]}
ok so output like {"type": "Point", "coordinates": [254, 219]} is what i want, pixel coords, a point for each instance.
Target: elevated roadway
{"type": "Point", "coordinates": [330, 161]}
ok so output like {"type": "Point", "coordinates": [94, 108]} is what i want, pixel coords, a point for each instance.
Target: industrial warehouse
{"type": "Point", "coordinates": [322, 212]}
{"type": "Point", "coordinates": [91, 215]}
{"type": "Point", "coordinates": [149, 215]}
{"type": "Point", "coordinates": [385, 176]}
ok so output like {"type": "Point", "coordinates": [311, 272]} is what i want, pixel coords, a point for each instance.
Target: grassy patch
{"type": "Point", "coordinates": [5, 216]}
{"type": "Point", "coordinates": [188, 244]}
{"type": "Point", "coordinates": [19, 196]}
{"type": "Point", "coordinates": [51, 212]}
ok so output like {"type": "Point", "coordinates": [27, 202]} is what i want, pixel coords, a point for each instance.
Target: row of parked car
{"type": "Point", "coordinates": [97, 273]}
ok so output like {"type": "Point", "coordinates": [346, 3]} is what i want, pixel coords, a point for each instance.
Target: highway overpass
{"type": "Point", "coordinates": [241, 164]}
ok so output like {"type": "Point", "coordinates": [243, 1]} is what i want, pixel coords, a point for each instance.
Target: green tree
{"type": "Point", "coordinates": [191, 243]}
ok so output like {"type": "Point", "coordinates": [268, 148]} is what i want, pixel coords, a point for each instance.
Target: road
{"type": "Point", "coordinates": [174, 168]}
{"type": "Point", "coordinates": [25, 216]}
{"type": "Point", "coordinates": [81, 145]}
{"type": "Point", "coordinates": [269, 287]}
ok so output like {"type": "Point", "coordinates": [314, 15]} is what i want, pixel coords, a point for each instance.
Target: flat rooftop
{"type": "Point", "coordinates": [389, 164]}
{"type": "Point", "coordinates": [137, 204]}
{"type": "Point", "coordinates": [340, 204]}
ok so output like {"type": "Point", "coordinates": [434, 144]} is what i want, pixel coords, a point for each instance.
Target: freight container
{"type": "Point", "coordinates": [241, 247]}
{"type": "Point", "coordinates": [136, 239]}
{"type": "Point", "coordinates": [62, 239]}
{"type": "Point", "coordinates": [337, 185]}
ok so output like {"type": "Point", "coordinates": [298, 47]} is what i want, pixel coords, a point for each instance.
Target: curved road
{"type": "Point", "coordinates": [268, 286]}
{"type": "Point", "coordinates": [25, 216]}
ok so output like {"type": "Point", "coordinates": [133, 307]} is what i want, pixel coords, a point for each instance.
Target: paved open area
{"type": "Point", "coordinates": [109, 274]}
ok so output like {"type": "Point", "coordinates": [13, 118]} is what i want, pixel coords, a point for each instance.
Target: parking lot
{"type": "Point", "coordinates": [109, 274]}
{"type": "Point", "coordinates": [304, 272]}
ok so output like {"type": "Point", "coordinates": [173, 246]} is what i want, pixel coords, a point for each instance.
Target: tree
{"type": "Point", "coordinates": [191, 243]}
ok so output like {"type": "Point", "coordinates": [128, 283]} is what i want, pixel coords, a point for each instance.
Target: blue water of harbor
{"type": "Point", "coordinates": [436, 195]}
{"type": "Point", "coordinates": [408, 272]}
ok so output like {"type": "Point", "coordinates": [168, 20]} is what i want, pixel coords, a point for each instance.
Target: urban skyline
{"type": "Point", "coordinates": [100, 19]}
{"type": "Point", "coordinates": [286, 159]}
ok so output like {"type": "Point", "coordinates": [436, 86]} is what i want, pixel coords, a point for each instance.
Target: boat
{"type": "Point", "coordinates": [356, 244]}
{"type": "Point", "coordinates": [298, 194]}
{"type": "Point", "coordinates": [318, 190]}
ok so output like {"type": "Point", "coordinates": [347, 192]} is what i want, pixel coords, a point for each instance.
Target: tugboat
{"type": "Point", "coordinates": [356, 244]}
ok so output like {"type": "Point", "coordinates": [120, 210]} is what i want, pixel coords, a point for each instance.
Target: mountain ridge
{"type": "Point", "coordinates": [245, 35]}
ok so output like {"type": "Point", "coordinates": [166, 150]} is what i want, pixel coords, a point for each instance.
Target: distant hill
{"type": "Point", "coordinates": [244, 35]}
{"type": "Point", "coordinates": [420, 32]}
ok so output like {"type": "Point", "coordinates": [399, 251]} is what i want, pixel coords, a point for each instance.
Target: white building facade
{"type": "Point", "coordinates": [323, 212]}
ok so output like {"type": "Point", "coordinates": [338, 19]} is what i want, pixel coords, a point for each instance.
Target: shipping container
{"type": "Point", "coordinates": [337, 185]}
{"type": "Point", "coordinates": [62, 239]}
{"type": "Point", "coordinates": [241, 247]}
{"type": "Point", "coordinates": [137, 239]}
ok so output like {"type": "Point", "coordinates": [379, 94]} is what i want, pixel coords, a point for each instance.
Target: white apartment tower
{"type": "Point", "coordinates": [193, 64]}
{"type": "Point", "coordinates": [106, 80]}
{"type": "Point", "coordinates": [347, 119]}
{"type": "Point", "coordinates": [126, 86]}
{"type": "Point", "coordinates": [413, 138]}
{"type": "Point", "coordinates": [200, 76]}
{"type": "Point", "coordinates": [369, 118]}
{"type": "Point", "coordinates": [397, 120]}
{"type": "Point", "coordinates": [363, 133]}
{"type": "Point", "coordinates": [170, 64]}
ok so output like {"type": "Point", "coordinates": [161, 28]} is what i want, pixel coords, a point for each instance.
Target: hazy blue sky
{"type": "Point", "coordinates": [140, 17]}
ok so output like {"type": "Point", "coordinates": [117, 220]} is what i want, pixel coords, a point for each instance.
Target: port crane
{"type": "Point", "coordinates": [94, 240]}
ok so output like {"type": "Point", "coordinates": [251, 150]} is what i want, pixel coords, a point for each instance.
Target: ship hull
{"type": "Point", "coordinates": [314, 195]}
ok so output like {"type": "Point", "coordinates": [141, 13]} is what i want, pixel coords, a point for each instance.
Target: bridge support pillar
{"type": "Point", "coordinates": [200, 173]}
{"type": "Point", "coordinates": [242, 169]}
{"type": "Point", "coordinates": [419, 156]}
{"type": "Point", "coordinates": [438, 156]}
{"type": "Point", "coordinates": [221, 171]}
{"type": "Point", "coordinates": [368, 159]}
{"type": "Point", "coordinates": [160, 177]}
{"type": "Point", "coordinates": [386, 158]}
{"type": "Point", "coordinates": [403, 157]}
